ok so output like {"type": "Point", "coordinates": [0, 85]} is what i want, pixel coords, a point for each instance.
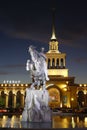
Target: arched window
{"type": "Point", "coordinates": [18, 99]}
{"type": "Point", "coordinates": [62, 63]}
{"type": "Point", "coordinates": [53, 63]}
{"type": "Point", "coordinates": [57, 63]}
{"type": "Point", "coordinates": [80, 98]}
{"type": "Point", "coordinates": [10, 99]}
{"type": "Point", "coordinates": [48, 63]}
{"type": "Point", "coordinates": [2, 99]}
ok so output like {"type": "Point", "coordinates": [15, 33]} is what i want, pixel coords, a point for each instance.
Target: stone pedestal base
{"type": "Point", "coordinates": [36, 106]}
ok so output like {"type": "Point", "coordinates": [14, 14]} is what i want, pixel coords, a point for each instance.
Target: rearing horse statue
{"type": "Point", "coordinates": [38, 67]}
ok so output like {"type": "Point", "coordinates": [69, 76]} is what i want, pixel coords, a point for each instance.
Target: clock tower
{"type": "Point", "coordinates": [56, 60]}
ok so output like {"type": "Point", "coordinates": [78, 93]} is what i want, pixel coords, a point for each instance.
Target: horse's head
{"type": "Point", "coordinates": [34, 54]}
{"type": "Point", "coordinates": [31, 48]}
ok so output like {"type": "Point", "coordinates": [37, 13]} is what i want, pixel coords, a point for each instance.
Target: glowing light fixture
{"type": "Point", "coordinates": [65, 89]}
{"type": "Point", "coordinates": [72, 99]}
{"type": "Point", "coordinates": [2, 85]}
{"type": "Point", "coordinates": [80, 85]}
{"type": "Point", "coordinates": [84, 85]}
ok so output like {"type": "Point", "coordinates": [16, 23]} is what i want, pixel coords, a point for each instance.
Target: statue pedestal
{"type": "Point", "coordinates": [36, 106]}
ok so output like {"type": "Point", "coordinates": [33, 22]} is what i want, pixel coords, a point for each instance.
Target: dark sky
{"type": "Point", "coordinates": [27, 22]}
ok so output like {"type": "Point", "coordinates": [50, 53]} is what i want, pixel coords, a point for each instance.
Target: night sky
{"type": "Point", "coordinates": [29, 22]}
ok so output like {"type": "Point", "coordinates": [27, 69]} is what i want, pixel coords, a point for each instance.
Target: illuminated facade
{"type": "Point", "coordinates": [12, 95]}
{"type": "Point", "coordinates": [62, 89]}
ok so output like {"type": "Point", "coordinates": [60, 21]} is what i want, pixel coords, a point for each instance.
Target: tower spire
{"type": "Point", "coordinates": [53, 44]}
{"type": "Point", "coordinates": [53, 37]}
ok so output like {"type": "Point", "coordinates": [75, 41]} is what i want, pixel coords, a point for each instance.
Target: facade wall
{"type": "Point", "coordinates": [12, 94]}
{"type": "Point", "coordinates": [62, 94]}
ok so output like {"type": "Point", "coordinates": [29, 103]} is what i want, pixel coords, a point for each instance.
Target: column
{"type": "Point", "coordinates": [14, 100]}
{"type": "Point", "coordinates": [55, 61]}
{"type": "Point", "coordinates": [51, 62]}
{"type": "Point", "coordinates": [22, 100]}
{"type": "Point", "coordinates": [68, 99]}
{"type": "Point", "coordinates": [64, 62]}
{"type": "Point", "coordinates": [59, 62]}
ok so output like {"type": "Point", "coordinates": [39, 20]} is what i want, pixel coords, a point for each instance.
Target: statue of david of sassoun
{"type": "Point", "coordinates": [38, 67]}
{"type": "Point", "coordinates": [36, 102]}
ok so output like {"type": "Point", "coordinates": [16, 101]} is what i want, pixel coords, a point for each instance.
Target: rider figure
{"type": "Point", "coordinates": [39, 62]}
